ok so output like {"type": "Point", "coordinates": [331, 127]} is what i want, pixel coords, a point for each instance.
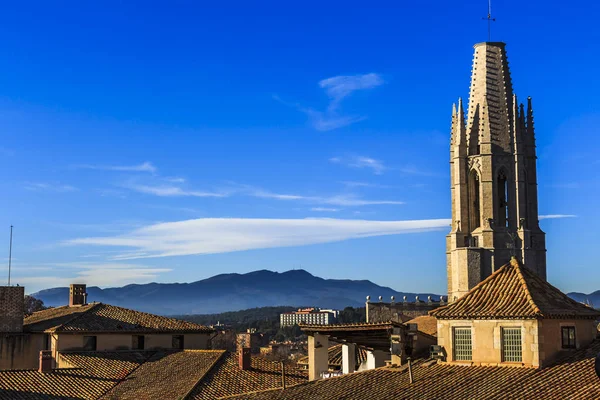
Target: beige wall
{"type": "Point", "coordinates": [21, 351]}
{"type": "Point", "coordinates": [541, 340]}
{"type": "Point", "coordinates": [550, 336]}
{"type": "Point", "coordinates": [486, 340]}
{"type": "Point", "coordinates": [106, 342]}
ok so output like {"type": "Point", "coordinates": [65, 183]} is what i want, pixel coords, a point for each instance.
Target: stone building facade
{"type": "Point", "coordinates": [493, 178]}
{"type": "Point", "coordinates": [400, 311]}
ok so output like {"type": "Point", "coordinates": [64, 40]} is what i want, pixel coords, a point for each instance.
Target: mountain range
{"type": "Point", "coordinates": [592, 299]}
{"type": "Point", "coordinates": [232, 292]}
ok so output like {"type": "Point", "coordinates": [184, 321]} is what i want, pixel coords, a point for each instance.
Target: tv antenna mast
{"type": "Point", "coordinates": [10, 254]}
{"type": "Point", "coordinates": [489, 20]}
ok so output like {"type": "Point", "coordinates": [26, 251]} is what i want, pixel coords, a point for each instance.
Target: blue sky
{"type": "Point", "coordinates": [173, 141]}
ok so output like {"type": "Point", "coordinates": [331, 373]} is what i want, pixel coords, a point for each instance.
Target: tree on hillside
{"type": "Point", "coordinates": [31, 305]}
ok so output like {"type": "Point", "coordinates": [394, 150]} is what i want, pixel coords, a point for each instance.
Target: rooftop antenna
{"type": "Point", "coordinates": [489, 20]}
{"type": "Point", "coordinates": [10, 254]}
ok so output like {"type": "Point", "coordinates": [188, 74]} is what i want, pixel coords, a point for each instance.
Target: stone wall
{"type": "Point", "coordinates": [11, 308]}
{"type": "Point", "coordinates": [398, 312]}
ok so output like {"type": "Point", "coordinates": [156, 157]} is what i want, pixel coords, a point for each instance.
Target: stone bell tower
{"type": "Point", "coordinates": [493, 178]}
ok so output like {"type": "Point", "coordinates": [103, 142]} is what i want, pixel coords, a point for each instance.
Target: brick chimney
{"type": "Point", "coordinates": [77, 295]}
{"type": "Point", "coordinates": [45, 361]}
{"type": "Point", "coordinates": [12, 303]}
{"type": "Point", "coordinates": [245, 358]}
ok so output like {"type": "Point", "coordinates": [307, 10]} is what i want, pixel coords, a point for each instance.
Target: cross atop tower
{"type": "Point", "coordinates": [489, 20]}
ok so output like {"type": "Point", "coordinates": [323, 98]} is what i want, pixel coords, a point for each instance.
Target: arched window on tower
{"type": "Point", "coordinates": [503, 209]}
{"type": "Point", "coordinates": [474, 202]}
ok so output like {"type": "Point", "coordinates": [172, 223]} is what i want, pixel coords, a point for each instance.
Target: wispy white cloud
{"type": "Point", "coordinates": [356, 161]}
{"type": "Point", "coordinates": [175, 179]}
{"type": "Point", "coordinates": [50, 187]}
{"type": "Point", "coordinates": [326, 121]}
{"type": "Point", "coordinates": [354, 184]}
{"type": "Point", "coordinates": [171, 191]}
{"type": "Point", "coordinates": [348, 200]}
{"type": "Point", "coordinates": [223, 235]}
{"type": "Point", "coordinates": [143, 167]}
{"type": "Point", "coordinates": [555, 216]}
{"type": "Point", "coordinates": [340, 87]}
{"type": "Point", "coordinates": [96, 274]}
{"type": "Point", "coordinates": [324, 209]}
{"type": "Point", "coordinates": [337, 88]}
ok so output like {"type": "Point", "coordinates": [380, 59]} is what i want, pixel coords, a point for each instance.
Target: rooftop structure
{"type": "Point", "coordinates": [571, 378]}
{"type": "Point", "coordinates": [187, 374]}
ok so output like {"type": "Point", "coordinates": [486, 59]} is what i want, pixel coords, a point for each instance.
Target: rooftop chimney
{"type": "Point", "coordinates": [45, 361]}
{"type": "Point", "coordinates": [77, 295]}
{"type": "Point", "coordinates": [12, 299]}
{"type": "Point", "coordinates": [245, 358]}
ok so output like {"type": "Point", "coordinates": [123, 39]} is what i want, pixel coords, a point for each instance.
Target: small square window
{"type": "Point", "coordinates": [177, 342]}
{"type": "Point", "coordinates": [568, 337]}
{"type": "Point", "coordinates": [137, 342]}
{"type": "Point", "coordinates": [89, 343]}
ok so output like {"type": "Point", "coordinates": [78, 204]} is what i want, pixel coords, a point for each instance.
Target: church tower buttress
{"type": "Point", "coordinates": [493, 178]}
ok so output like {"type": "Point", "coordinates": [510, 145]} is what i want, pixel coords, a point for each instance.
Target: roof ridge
{"type": "Point", "coordinates": [470, 292]}
{"type": "Point", "coordinates": [189, 392]}
{"type": "Point", "coordinates": [155, 315]}
{"type": "Point", "coordinates": [121, 380]}
{"type": "Point", "coordinates": [515, 264]}
{"type": "Point", "coordinates": [93, 306]}
{"type": "Point", "coordinates": [531, 275]}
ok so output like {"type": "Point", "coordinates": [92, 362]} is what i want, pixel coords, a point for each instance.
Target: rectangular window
{"type": "Point", "coordinates": [463, 347]}
{"type": "Point", "coordinates": [89, 343]}
{"type": "Point", "coordinates": [177, 342]}
{"type": "Point", "coordinates": [568, 337]}
{"type": "Point", "coordinates": [137, 342]}
{"type": "Point", "coordinates": [512, 350]}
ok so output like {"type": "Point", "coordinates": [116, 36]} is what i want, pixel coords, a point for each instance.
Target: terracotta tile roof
{"type": "Point", "coordinates": [514, 292]}
{"type": "Point", "coordinates": [166, 375]}
{"type": "Point", "coordinates": [104, 364]}
{"type": "Point", "coordinates": [99, 317]}
{"type": "Point", "coordinates": [425, 324]}
{"type": "Point", "coordinates": [52, 317]}
{"type": "Point", "coordinates": [226, 379]}
{"type": "Point", "coordinates": [334, 354]}
{"type": "Point", "coordinates": [574, 378]}
{"type": "Point", "coordinates": [98, 376]}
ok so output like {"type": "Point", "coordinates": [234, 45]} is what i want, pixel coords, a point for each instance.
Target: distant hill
{"type": "Point", "coordinates": [593, 298]}
{"type": "Point", "coordinates": [232, 292]}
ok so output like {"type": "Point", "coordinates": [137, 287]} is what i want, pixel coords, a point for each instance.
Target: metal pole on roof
{"type": "Point", "coordinates": [10, 254]}
{"type": "Point", "coordinates": [282, 374]}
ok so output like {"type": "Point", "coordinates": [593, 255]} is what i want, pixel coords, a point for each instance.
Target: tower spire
{"type": "Point", "coordinates": [493, 173]}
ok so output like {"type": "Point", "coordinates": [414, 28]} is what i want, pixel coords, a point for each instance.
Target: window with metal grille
{"type": "Point", "coordinates": [512, 350]}
{"type": "Point", "coordinates": [568, 337]}
{"type": "Point", "coordinates": [463, 348]}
